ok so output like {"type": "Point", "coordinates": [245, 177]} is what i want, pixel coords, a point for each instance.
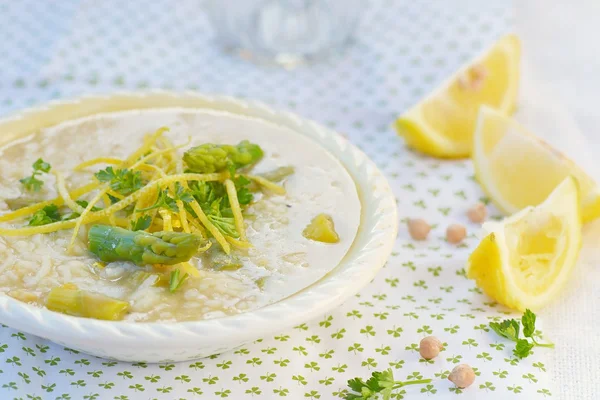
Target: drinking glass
{"type": "Point", "coordinates": [285, 32]}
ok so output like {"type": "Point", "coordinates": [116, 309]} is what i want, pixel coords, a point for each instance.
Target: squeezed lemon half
{"type": "Point", "coordinates": [517, 169]}
{"type": "Point", "coordinates": [442, 124]}
{"type": "Point", "coordinates": [525, 260]}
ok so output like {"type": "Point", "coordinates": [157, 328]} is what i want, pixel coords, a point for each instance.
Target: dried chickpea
{"type": "Point", "coordinates": [455, 233]}
{"type": "Point", "coordinates": [462, 376]}
{"type": "Point", "coordinates": [418, 229]}
{"type": "Point", "coordinates": [430, 347]}
{"type": "Point", "coordinates": [477, 213]}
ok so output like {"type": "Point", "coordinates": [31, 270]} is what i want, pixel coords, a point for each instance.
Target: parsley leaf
{"type": "Point", "coordinates": [122, 181]}
{"type": "Point", "coordinates": [528, 321]}
{"type": "Point", "coordinates": [380, 383]}
{"type": "Point", "coordinates": [84, 204]}
{"type": "Point", "coordinates": [165, 201]}
{"type": "Point", "coordinates": [207, 192]}
{"type": "Point", "coordinates": [182, 194]}
{"type": "Point", "coordinates": [41, 165]}
{"type": "Point", "coordinates": [162, 201]}
{"type": "Point", "coordinates": [175, 282]}
{"type": "Point", "coordinates": [51, 213]}
{"type": "Point", "coordinates": [46, 215]}
{"type": "Point", "coordinates": [112, 199]}
{"type": "Point", "coordinates": [509, 329]}
{"type": "Point", "coordinates": [222, 218]}
{"type": "Point", "coordinates": [212, 198]}
{"type": "Point", "coordinates": [31, 183]}
{"type": "Point", "coordinates": [141, 224]}
{"type": "Point", "coordinates": [243, 193]}
{"type": "Point", "coordinates": [356, 384]}
{"type": "Point", "coordinates": [523, 348]}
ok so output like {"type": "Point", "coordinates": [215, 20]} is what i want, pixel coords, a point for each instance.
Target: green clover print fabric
{"type": "Point", "coordinates": [403, 50]}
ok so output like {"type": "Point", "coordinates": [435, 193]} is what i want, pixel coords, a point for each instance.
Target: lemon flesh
{"type": "Point", "coordinates": [516, 169]}
{"type": "Point", "coordinates": [525, 260]}
{"type": "Point", "coordinates": [442, 125]}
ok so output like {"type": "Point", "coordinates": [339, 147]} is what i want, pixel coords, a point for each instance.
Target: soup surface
{"type": "Point", "coordinates": [280, 262]}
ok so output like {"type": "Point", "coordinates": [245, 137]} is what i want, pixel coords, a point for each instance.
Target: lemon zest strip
{"type": "Point", "coordinates": [64, 193]}
{"type": "Point", "coordinates": [234, 203]}
{"type": "Point", "coordinates": [166, 217]}
{"type": "Point", "coordinates": [58, 201]}
{"type": "Point", "coordinates": [99, 160]}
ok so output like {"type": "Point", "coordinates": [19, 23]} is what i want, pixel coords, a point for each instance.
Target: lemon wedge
{"type": "Point", "coordinates": [525, 260]}
{"type": "Point", "coordinates": [442, 124]}
{"type": "Point", "coordinates": [517, 169]}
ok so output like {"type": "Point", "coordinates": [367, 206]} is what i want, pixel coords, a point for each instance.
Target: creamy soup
{"type": "Point", "coordinates": [275, 259]}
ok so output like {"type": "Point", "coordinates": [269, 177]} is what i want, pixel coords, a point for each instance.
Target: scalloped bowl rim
{"type": "Point", "coordinates": [367, 255]}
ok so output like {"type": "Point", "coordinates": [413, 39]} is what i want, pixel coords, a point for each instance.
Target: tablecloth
{"type": "Point", "coordinates": [403, 50]}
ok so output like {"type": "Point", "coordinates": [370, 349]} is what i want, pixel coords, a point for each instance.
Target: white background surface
{"type": "Point", "coordinates": [562, 87]}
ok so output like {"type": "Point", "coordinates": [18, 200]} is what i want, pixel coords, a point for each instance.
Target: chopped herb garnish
{"type": "Point", "coordinates": [46, 215]}
{"type": "Point", "coordinates": [214, 201]}
{"type": "Point", "coordinates": [41, 165]}
{"type": "Point", "coordinates": [112, 199]}
{"type": "Point", "coordinates": [206, 193]}
{"type": "Point", "coordinates": [122, 181]}
{"type": "Point", "coordinates": [510, 329]}
{"type": "Point", "coordinates": [51, 213]}
{"type": "Point", "coordinates": [141, 224]}
{"type": "Point", "coordinates": [31, 183]}
{"type": "Point", "coordinates": [165, 201]}
{"type": "Point", "coordinates": [381, 383]}
{"type": "Point", "coordinates": [222, 217]}
{"type": "Point", "coordinates": [162, 201]}
{"type": "Point", "coordinates": [84, 204]}
{"type": "Point", "coordinates": [175, 282]}
{"type": "Point", "coordinates": [243, 193]}
{"type": "Point", "coordinates": [182, 194]}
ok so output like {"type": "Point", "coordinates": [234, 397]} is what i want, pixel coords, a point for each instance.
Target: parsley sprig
{"type": "Point", "coordinates": [381, 382]}
{"type": "Point", "coordinates": [51, 213]}
{"type": "Point", "coordinates": [165, 200]}
{"type": "Point", "coordinates": [511, 330]}
{"type": "Point", "coordinates": [214, 201]}
{"type": "Point", "coordinates": [31, 183]}
{"type": "Point", "coordinates": [46, 215]}
{"type": "Point", "coordinates": [122, 181]}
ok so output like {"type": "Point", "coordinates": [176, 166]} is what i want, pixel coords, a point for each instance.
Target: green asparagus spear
{"type": "Point", "coordinates": [68, 299]}
{"type": "Point", "coordinates": [208, 158]}
{"type": "Point", "coordinates": [112, 243]}
{"type": "Point", "coordinates": [245, 153]}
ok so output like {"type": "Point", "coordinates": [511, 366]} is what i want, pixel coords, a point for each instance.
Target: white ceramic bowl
{"type": "Point", "coordinates": [161, 342]}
